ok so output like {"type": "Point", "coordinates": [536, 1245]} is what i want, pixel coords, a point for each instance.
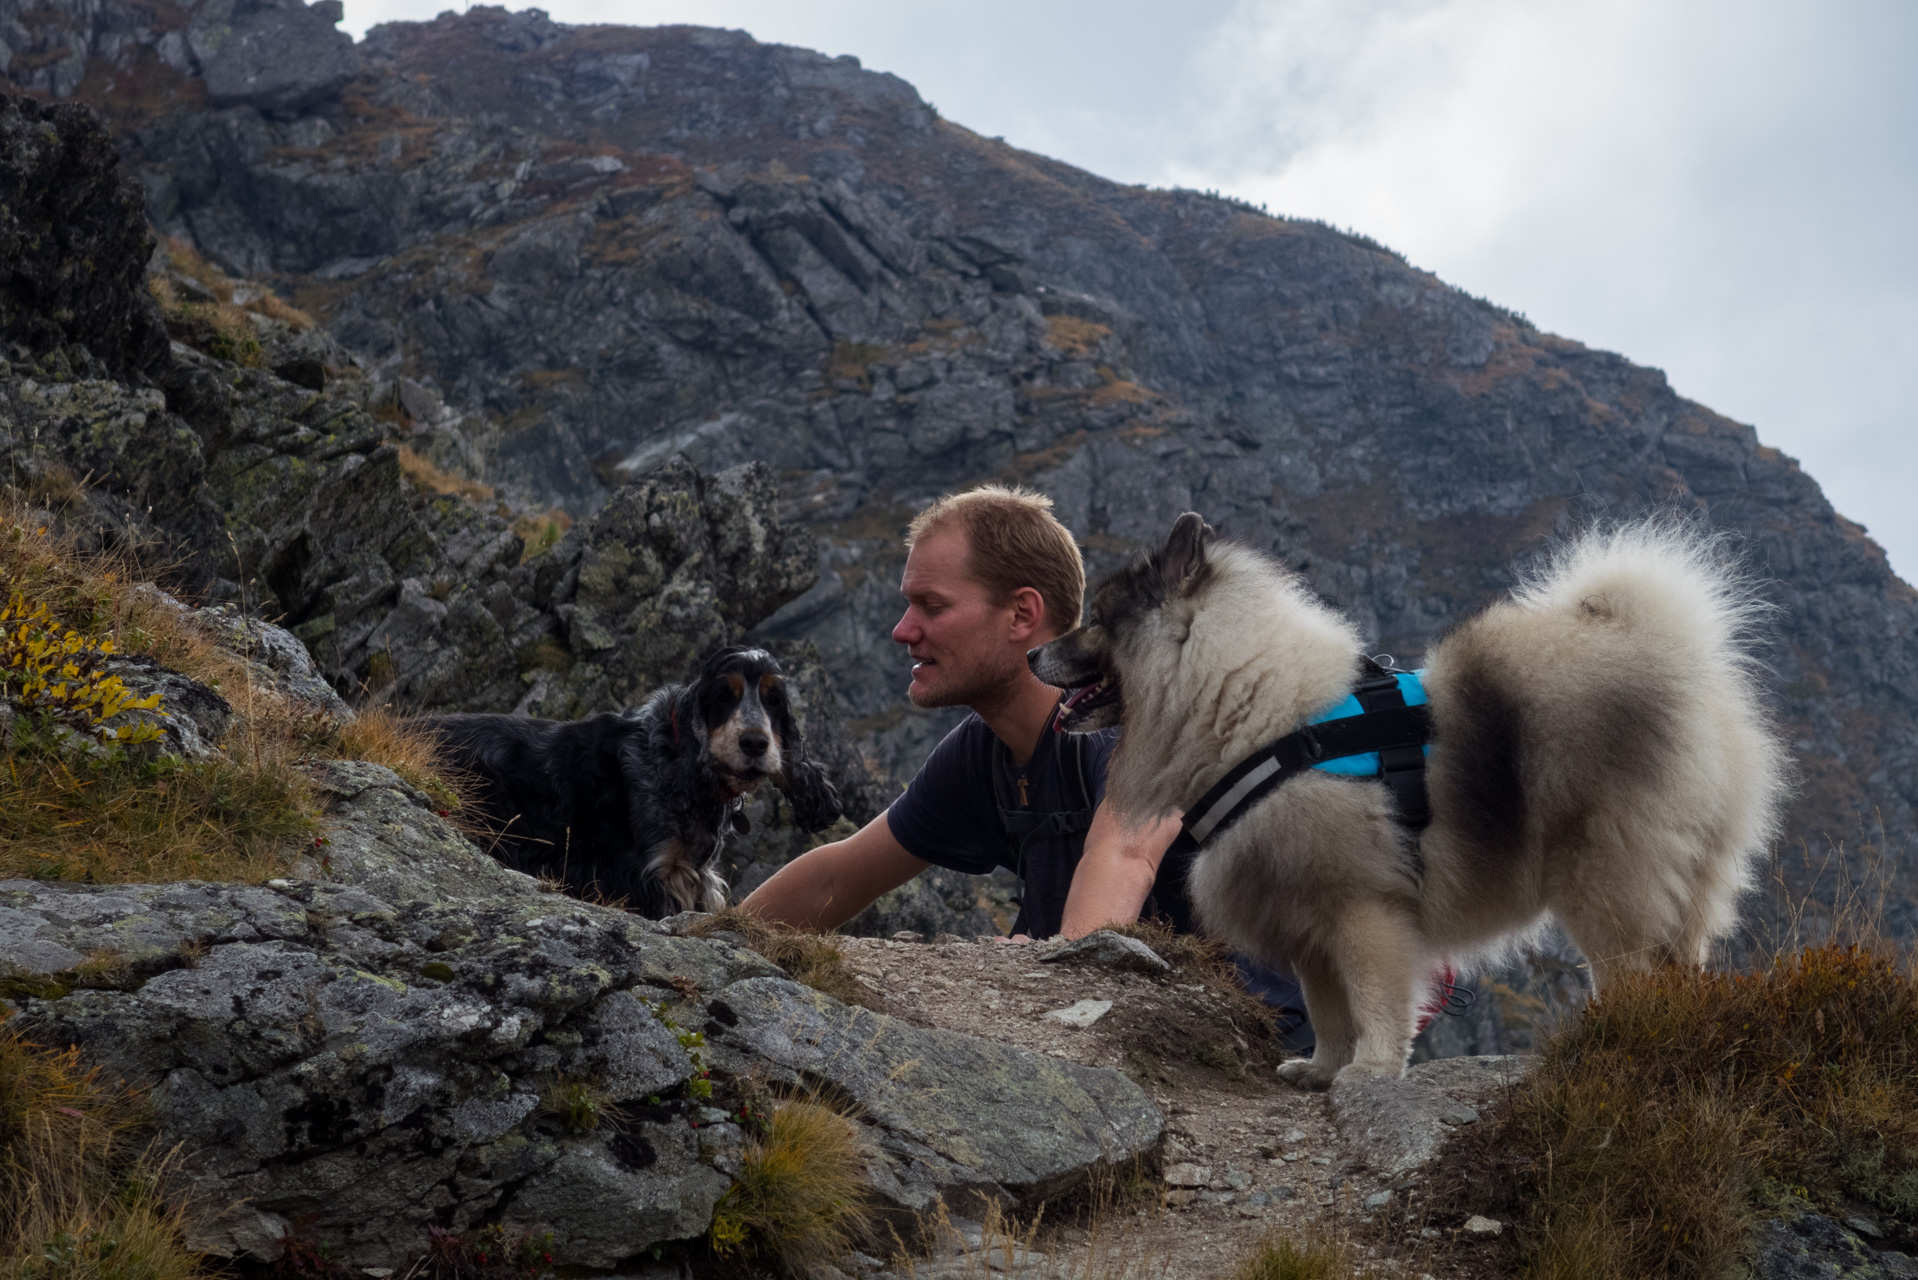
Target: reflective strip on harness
{"type": "Point", "coordinates": [1211, 815]}
{"type": "Point", "coordinates": [1344, 732]}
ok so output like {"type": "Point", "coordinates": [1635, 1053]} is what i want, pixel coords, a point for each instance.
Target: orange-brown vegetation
{"type": "Point", "coordinates": [1682, 1107]}
{"type": "Point", "coordinates": [1077, 338]}
{"type": "Point", "coordinates": [423, 473]}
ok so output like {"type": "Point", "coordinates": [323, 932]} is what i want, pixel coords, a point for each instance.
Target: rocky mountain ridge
{"type": "Point", "coordinates": [587, 248]}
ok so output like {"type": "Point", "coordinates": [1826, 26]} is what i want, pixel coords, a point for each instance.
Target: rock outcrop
{"type": "Point", "coordinates": [574, 251]}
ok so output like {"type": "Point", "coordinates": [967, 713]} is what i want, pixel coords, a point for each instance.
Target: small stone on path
{"type": "Point", "coordinates": [1081, 1014]}
{"type": "Point", "coordinates": [1479, 1225]}
{"type": "Point", "coordinates": [1188, 1175]}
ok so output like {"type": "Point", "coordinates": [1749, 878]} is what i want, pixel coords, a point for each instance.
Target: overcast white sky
{"type": "Point", "coordinates": [1726, 191]}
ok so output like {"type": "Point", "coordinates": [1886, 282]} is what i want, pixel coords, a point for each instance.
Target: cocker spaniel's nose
{"type": "Point", "coordinates": [754, 742]}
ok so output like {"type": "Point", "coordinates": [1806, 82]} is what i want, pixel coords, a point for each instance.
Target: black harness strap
{"type": "Point", "coordinates": [1401, 765]}
{"type": "Point", "coordinates": [1401, 730]}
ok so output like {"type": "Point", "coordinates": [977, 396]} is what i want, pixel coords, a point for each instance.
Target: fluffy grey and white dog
{"type": "Point", "coordinates": [1600, 754]}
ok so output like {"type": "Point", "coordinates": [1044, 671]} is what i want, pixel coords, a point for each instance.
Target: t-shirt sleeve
{"type": "Point", "coordinates": [947, 815]}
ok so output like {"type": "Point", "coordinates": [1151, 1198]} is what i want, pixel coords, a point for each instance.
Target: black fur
{"type": "Point", "coordinates": [1487, 800]}
{"type": "Point", "coordinates": [593, 802]}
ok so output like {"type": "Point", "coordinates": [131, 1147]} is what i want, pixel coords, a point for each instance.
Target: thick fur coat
{"type": "Point", "coordinates": [635, 806]}
{"type": "Point", "coordinates": [1601, 754]}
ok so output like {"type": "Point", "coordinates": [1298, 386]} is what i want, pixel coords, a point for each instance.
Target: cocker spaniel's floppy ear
{"type": "Point", "coordinates": [814, 799]}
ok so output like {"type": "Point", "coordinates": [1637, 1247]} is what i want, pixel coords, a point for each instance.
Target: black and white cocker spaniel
{"type": "Point", "coordinates": [635, 805]}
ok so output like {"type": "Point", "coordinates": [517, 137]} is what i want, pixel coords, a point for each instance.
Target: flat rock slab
{"type": "Point", "coordinates": [1108, 950]}
{"type": "Point", "coordinates": [948, 1115]}
{"type": "Point", "coordinates": [1396, 1126]}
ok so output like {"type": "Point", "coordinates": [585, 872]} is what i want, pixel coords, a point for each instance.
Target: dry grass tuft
{"type": "Point", "coordinates": [799, 1200]}
{"type": "Point", "coordinates": [424, 474]}
{"type": "Point", "coordinates": [541, 532]}
{"type": "Point", "coordinates": [218, 328]}
{"type": "Point", "coordinates": [379, 736]}
{"type": "Point", "coordinates": [1665, 1122]}
{"type": "Point", "coordinates": [81, 1196]}
{"type": "Point", "coordinates": [1075, 337]}
{"type": "Point", "coordinates": [579, 1105]}
{"type": "Point", "coordinates": [1308, 1258]}
{"type": "Point", "coordinates": [124, 821]}
{"type": "Point", "coordinates": [812, 959]}
{"type": "Point", "coordinates": [1206, 960]}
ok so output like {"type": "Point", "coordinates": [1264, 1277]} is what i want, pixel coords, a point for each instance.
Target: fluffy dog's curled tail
{"type": "Point", "coordinates": [1660, 577]}
{"type": "Point", "coordinates": [1674, 595]}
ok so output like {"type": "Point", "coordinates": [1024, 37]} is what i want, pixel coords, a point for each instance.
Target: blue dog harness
{"type": "Point", "coordinates": [1382, 729]}
{"type": "Point", "coordinates": [1367, 764]}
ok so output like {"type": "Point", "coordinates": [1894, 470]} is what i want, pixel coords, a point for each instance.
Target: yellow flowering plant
{"type": "Point", "coordinates": [50, 670]}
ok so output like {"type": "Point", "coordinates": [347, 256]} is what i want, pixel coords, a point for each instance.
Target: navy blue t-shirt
{"type": "Point", "coordinates": [949, 814]}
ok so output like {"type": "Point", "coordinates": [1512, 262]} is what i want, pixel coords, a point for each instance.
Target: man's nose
{"type": "Point", "coordinates": [906, 631]}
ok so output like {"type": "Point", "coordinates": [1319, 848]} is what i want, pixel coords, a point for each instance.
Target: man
{"type": "Point", "coordinates": [989, 575]}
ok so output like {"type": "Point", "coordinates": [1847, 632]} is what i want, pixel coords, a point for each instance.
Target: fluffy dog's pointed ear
{"type": "Point", "coordinates": [1184, 553]}
{"type": "Point", "coordinates": [814, 800]}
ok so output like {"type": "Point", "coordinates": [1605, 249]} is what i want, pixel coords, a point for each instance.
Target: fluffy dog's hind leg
{"type": "Point", "coordinates": [1332, 1026]}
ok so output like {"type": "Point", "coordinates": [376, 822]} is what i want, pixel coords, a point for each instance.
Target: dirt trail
{"type": "Point", "coordinates": [1244, 1155]}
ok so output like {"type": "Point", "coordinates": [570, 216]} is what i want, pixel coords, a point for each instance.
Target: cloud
{"type": "Point", "coordinates": [1723, 191]}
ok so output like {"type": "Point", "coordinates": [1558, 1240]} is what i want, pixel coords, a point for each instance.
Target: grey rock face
{"type": "Point", "coordinates": [366, 1070]}
{"type": "Point", "coordinates": [1811, 1246]}
{"type": "Point", "coordinates": [948, 1114]}
{"type": "Point", "coordinates": [283, 55]}
{"type": "Point", "coordinates": [387, 838]}
{"type": "Point", "coordinates": [1397, 1126]}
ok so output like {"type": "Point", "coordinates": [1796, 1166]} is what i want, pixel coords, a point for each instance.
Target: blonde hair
{"type": "Point", "coordinates": [1013, 540]}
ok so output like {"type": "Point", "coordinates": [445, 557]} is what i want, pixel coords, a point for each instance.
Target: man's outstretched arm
{"type": "Point", "coordinates": [1115, 874]}
{"type": "Point", "coordinates": [823, 888]}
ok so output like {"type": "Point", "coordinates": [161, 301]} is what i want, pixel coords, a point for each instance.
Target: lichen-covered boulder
{"type": "Point", "coordinates": [356, 1072]}
{"type": "Point", "coordinates": [73, 238]}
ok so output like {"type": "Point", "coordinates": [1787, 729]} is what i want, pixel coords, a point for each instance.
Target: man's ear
{"type": "Point", "coordinates": [1029, 613]}
{"type": "Point", "coordinates": [1184, 553]}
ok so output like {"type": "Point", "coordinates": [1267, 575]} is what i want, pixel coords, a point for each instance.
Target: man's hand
{"type": "Point", "coordinates": [1115, 876]}
{"type": "Point", "coordinates": [825, 887]}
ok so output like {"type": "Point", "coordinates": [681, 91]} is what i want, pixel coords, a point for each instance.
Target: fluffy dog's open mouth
{"type": "Point", "coordinates": [1085, 701]}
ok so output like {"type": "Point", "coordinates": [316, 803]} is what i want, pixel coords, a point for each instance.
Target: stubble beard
{"type": "Point", "coordinates": [970, 689]}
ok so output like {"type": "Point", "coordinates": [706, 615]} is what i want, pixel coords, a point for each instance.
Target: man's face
{"type": "Point", "coordinates": [961, 641]}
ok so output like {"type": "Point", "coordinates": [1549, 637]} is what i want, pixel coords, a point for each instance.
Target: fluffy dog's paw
{"type": "Point", "coordinates": [1304, 1073]}
{"type": "Point", "coordinates": [1355, 1072]}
